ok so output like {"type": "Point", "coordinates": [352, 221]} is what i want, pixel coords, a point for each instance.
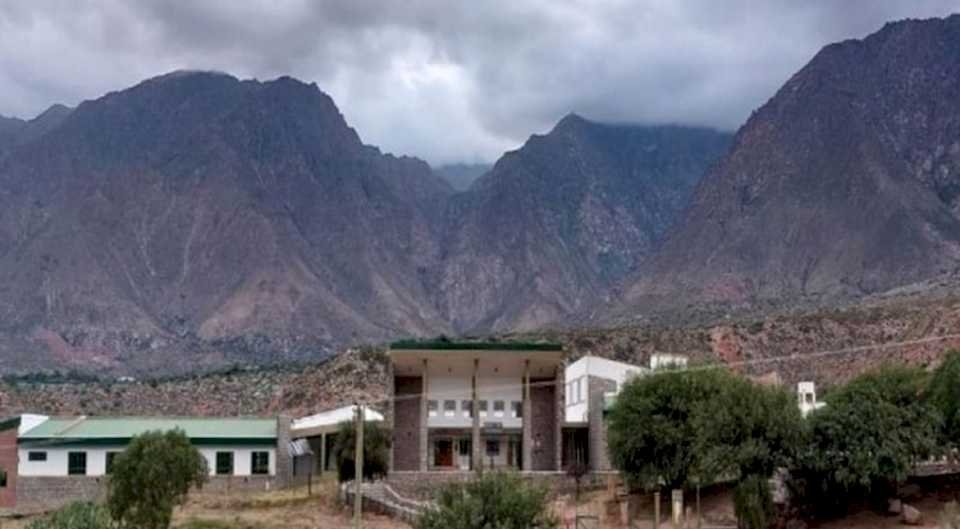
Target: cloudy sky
{"type": "Point", "coordinates": [445, 80]}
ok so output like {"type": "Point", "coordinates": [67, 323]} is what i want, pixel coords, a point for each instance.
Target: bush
{"type": "Point", "coordinates": [496, 500]}
{"type": "Point", "coordinates": [77, 515]}
{"type": "Point", "coordinates": [943, 394]}
{"type": "Point", "coordinates": [753, 503]}
{"type": "Point", "coordinates": [376, 450]}
{"type": "Point", "coordinates": [691, 427]}
{"type": "Point", "coordinates": [152, 476]}
{"type": "Point", "coordinates": [865, 441]}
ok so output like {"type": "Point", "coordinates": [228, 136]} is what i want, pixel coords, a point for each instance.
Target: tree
{"type": "Point", "coordinates": [753, 503]}
{"type": "Point", "coordinates": [691, 427]}
{"type": "Point", "coordinates": [943, 393]}
{"type": "Point", "coordinates": [152, 476]}
{"type": "Point", "coordinates": [497, 500]}
{"type": "Point", "coordinates": [866, 440]}
{"type": "Point", "coordinates": [376, 450]}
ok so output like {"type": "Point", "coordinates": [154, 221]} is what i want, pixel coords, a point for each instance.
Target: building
{"type": "Point", "coordinates": [589, 383]}
{"type": "Point", "coordinates": [460, 406]}
{"type": "Point", "coordinates": [320, 432]}
{"type": "Point", "coordinates": [57, 460]}
{"type": "Point", "coordinates": [807, 398]}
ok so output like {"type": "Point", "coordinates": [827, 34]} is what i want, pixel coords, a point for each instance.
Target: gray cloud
{"type": "Point", "coordinates": [447, 81]}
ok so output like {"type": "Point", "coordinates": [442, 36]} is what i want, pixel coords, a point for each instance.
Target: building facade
{"type": "Point", "coordinates": [467, 406]}
{"type": "Point", "coordinates": [57, 460]}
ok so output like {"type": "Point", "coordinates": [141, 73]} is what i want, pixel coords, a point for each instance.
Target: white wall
{"type": "Point", "coordinates": [459, 389]}
{"type": "Point", "coordinates": [576, 377]}
{"type": "Point", "coordinates": [56, 463]}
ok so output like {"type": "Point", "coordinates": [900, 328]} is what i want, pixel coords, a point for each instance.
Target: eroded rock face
{"type": "Point", "coordinates": [846, 182]}
{"type": "Point", "coordinates": [555, 225]}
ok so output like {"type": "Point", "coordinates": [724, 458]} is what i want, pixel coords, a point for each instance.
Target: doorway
{"type": "Point", "coordinates": [443, 453]}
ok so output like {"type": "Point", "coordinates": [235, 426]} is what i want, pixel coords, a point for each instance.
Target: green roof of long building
{"type": "Point", "coordinates": [93, 428]}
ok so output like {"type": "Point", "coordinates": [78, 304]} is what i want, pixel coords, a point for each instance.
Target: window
{"type": "Point", "coordinates": [77, 463]}
{"type": "Point", "coordinates": [432, 408]}
{"type": "Point", "coordinates": [449, 408]}
{"type": "Point", "coordinates": [498, 408]}
{"type": "Point", "coordinates": [493, 448]}
{"type": "Point", "coordinates": [517, 409]}
{"type": "Point", "coordinates": [36, 456]}
{"type": "Point", "coordinates": [110, 457]}
{"type": "Point", "coordinates": [464, 447]}
{"type": "Point", "coordinates": [3, 479]}
{"type": "Point", "coordinates": [260, 462]}
{"type": "Point", "coordinates": [482, 404]}
{"type": "Point", "coordinates": [224, 463]}
{"type": "Point", "coordinates": [467, 407]}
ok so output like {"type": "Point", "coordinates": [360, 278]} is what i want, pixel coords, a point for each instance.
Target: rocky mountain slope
{"type": "Point", "coordinates": [847, 182]}
{"type": "Point", "coordinates": [557, 223]}
{"type": "Point", "coordinates": [196, 220]}
{"type": "Point", "coordinates": [196, 217]}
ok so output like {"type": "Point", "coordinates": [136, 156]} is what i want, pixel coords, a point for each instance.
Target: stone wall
{"type": "Point", "coordinates": [284, 463]}
{"type": "Point", "coordinates": [544, 452]}
{"type": "Point", "coordinates": [43, 493]}
{"type": "Point", "coordinates": [406, 423]}
{"type": "Point", "coordinates": [597, 426]}
{"type": "Point", "coordinates": [8, 463]}
{"type": "Point", "coordinates": [47, 493]}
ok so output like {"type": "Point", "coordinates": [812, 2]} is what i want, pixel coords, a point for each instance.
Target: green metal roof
{"type": "Point", "coordinates": [92, 428]}
{"type": "Point", "coordinates": [474, 346]}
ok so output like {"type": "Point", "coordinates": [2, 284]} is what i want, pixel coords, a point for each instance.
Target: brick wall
{"type": "Point", "coordinates": [406, 423]}
{"type": "Point", "coordinates": [544, 424]}
{"type": "Point", "coordinates": [8, 463]}
{"type": "Point", "coordinates": [597, 436]}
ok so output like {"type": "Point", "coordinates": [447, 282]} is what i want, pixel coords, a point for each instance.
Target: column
{"type": "Point", "coordinates": [560, 415]}
{"type": "Point", "coordinates": [323, 454]}
{"type": "Point", "coordinates": [527, 442]}
{"type": "Point", "coordinates": [476, 457]}
{"type": "Point", "coordinates": [391, 412]}
{"type": "Point", "coordinates": [424, 416]}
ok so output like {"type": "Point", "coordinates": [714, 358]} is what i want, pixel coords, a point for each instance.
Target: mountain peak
{"type": "Point", "coordinates": [571, 121]}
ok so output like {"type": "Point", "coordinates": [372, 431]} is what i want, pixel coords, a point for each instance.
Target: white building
{"type": "Point", "coordinates": [86, 446]}
{"type": "Point", "coordinates": [320, 432]}
{"type": "Point", "coordinates": [807, 398]}
{"type": "Point", "coordinates": [610, 373]}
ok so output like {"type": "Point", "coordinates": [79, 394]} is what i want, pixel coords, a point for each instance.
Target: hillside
{"type": "Point", "coordinates": [844, 184]}
{"type": "Point", "coordinates": [555, 225]}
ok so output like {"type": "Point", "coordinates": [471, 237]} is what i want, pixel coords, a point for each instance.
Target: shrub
{"type": "Point", "coordinates": [376, 450]}
{"type": "Point", "coordinates": [865, 441]}
{"type": "Point", "coordinates": [753, 503]}
{"type": "Point", "coordinates": [691, 427]}
{"type": "Point", "coordinates": [77, 515]}
{"type": "Point", "coordinates": [152, 476]}
{"type": "Point", "coordinates": [497, 500]}
{"type": "Point", "coordinates": [943, 394]}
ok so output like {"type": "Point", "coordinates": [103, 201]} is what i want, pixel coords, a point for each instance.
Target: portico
{"type": "Point", "coordinates": [472, 405]}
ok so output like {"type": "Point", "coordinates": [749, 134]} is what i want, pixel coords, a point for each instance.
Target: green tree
{"type": "Point", "coordinates": [866, 440]}
{"type": "Point", "coordinates": [943, 393]}
{"type": "Point", "coordinates": [690, 427]}
{"type": "Point", "coordinates": [494, 500]}
{"type": "Point", "coordinates": [376, 450]}
{"type": "Point", "coordinates": [753, 503]}
{"type": "Point", "coordinates": [152, 476]}
{"type": "Point", "coordinates": [77, 515]}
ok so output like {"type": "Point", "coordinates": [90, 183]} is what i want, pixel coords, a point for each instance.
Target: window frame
{"type": "Point", "coordinates": [433, 407]}
{"type": "Point", "coordinates": [255, 466]}
{"type": "Point", "coordinates": [108, 461]}
{"type": "Point", "coordinates": [466, 407]}
{"type": "Point", "coordinates": [516, 407]}
{"type": "Point", "coordinates": [232, 462]}
{"type": "Point", "coordinates": [34, 456]}
{"type": "Point", "coordinates": [449, 407]}
{"type": "Point", "coordinates": [74, 469]}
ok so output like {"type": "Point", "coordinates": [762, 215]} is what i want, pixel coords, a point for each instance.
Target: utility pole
{"type": "Point", "coordinates": [358, 470]}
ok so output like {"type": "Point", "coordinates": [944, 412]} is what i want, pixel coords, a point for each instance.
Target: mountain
{"type": "Point", "coordinates": [462, 175]}
{"type": "Point", "coordinates": [552, 228]}
{"type": "Point", "coordinates": [196, 219]}
{"type": "Point", "coordinates": [845, 183]}
{"type": "Point", "coordinates": [15, 131]}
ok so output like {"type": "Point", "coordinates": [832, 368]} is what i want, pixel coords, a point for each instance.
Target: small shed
{"type": "Point", "coordinates": [320, 431]}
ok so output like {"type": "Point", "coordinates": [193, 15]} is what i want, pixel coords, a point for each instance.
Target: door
{"type": "Point", "coordinates": [443, 453]}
